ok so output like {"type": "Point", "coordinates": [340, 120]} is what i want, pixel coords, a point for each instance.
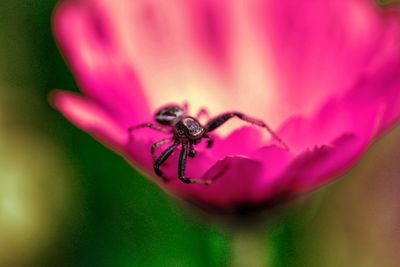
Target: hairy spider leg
{"type": "Point", "coordinates": [221, 119]}
{"type": "Point", "coordinates": [157, 145]}
{"type": "Point", "coordinates": [182, 168]}
{"type": "Point", "coordinates": [162, 158]}
{"type": "Point", "coordinates": [210, 141]}
{"type": "Point", "coordinates": [149, 125]}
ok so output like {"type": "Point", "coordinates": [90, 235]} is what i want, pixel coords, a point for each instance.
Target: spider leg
{"type": "Point", "coordinates": [202, 112]}
{"type": "Point", "coordinates": [162, 158]}
{"type": "Point", "coordinates": [182, 168]}
{"type": "Point", "coordinates": [210, 141]}
{"type": "Point", "coordinates": [148, 125]}
{"type": "Point", "coordinates": [185, 106]}
{"type": "Point", "coordinates": [158, 144]}
{"type": "Point", "coordinates": [221, 119]}
{"type": "Point", "coordinates": [192, 151]}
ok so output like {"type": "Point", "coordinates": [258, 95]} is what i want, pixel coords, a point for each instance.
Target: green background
{"type": "Point", "coordinates": [66, 200]}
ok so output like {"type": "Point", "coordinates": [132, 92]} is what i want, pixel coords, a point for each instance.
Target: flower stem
{"type": "Point", "coordinates": [249, 248]}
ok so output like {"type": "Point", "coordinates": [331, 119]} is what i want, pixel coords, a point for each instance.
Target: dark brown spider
{"type": "Point", "coordinates": [187, 132]}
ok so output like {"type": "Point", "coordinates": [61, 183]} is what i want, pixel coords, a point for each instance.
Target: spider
{"type": "Point", "coordinates": [187, 131]}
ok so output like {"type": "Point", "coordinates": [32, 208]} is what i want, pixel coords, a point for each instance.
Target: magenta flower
{"type": "Point", "coordinates": [323, 74]}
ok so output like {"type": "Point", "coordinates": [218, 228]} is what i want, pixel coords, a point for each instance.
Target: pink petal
{"type": "Point", "coordinates": [315, 167]}
{"type": "Point", "coordinates": [193, 51]}
{"type": "Point", "coordinates": [88, 42]}
{"type": "Point", "coordinates": [90, 117]}
{"type": "Point", "coordinates": [372, 105]}
{"type": "Point", "coordinates": [321, 47]}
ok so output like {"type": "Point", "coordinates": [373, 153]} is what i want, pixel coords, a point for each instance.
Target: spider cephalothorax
{"type": "Point", "coordinates": [188, 131]}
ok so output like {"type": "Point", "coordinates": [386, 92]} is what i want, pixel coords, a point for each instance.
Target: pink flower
{"type": "Point", "coordinates": [323, 74]}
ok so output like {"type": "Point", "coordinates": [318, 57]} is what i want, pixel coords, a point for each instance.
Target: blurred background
{"type": "Point", "coordinates": [65, 200]}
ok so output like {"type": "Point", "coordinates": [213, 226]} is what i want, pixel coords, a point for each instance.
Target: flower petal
{"type": "Point", "coordinates": [369, 107]}
{"type": "Point", "coordinates": [88, 42]}
{"type": "Point", "coordinates": [322, 164]}
{"type": "Point", "coordinates": [323, 46]}
{"type": "Point", "coordinates": [89, 117]}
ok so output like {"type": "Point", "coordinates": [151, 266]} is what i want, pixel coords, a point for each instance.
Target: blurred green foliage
{"type": "Point", "coordinates": [387, 2]}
